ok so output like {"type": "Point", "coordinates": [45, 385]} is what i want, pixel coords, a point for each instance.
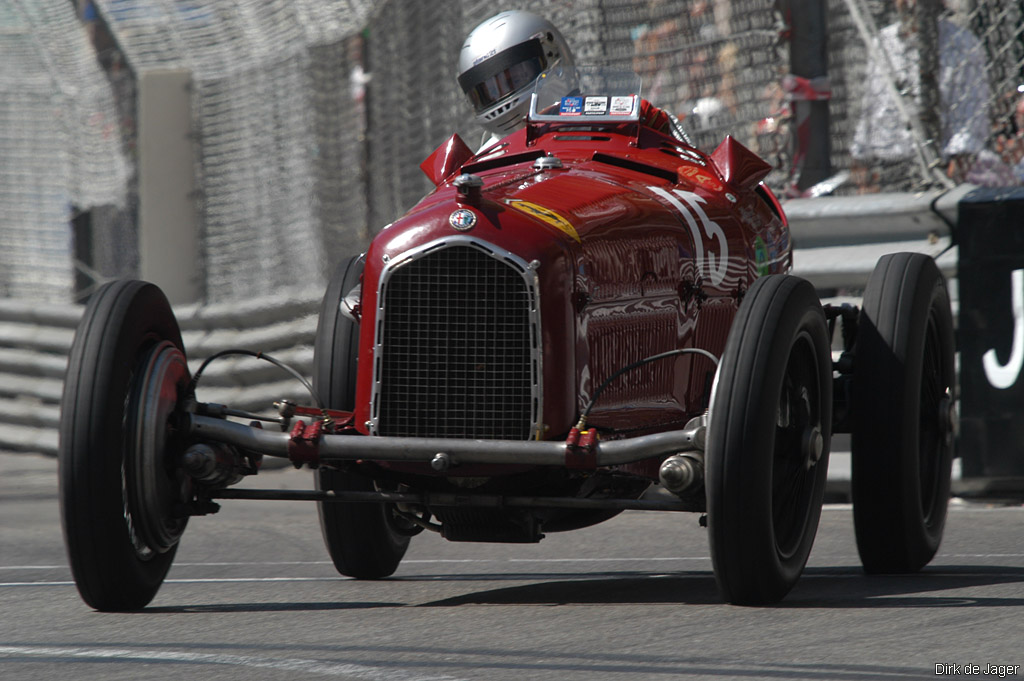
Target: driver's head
{"type": "Point", "coordinates": [500, 61]}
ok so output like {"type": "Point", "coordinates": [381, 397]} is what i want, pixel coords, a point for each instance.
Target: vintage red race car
{"type": "Point", "coordinates": [587, 309]}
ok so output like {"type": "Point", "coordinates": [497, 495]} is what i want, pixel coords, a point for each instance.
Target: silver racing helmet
{"type": "Point", "coordinates": [500, 61]}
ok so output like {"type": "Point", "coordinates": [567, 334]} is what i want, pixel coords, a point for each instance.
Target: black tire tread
{"type": "Point", "coordinates": [358, 537]}
{"type": "Point", "coordinates": [892, 535]}
{"type": "Point", "coordinates": [744, 555]}
{"type": "Point", "coordinates": [108, 574]}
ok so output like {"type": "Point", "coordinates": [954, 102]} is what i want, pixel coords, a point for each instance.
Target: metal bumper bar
{"type": "Point", "coordinates": [316, 448]}
{"type": "Point", "coordinates": [432, 500]}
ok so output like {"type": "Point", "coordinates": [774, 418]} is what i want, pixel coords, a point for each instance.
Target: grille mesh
{"type": "Point", "coordinates": [458, 349]}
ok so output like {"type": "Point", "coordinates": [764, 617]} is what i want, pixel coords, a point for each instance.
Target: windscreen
{"type": "Point", "coordinates": [595, 94]}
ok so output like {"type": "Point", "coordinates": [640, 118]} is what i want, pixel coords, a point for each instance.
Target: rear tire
{"type": "Point", "coordinates": [118, 474]}
{"type": "Point", "coordinates": [903, 393]}
{"type": "Point", "coordinates": [360, 538]}
{"type": "Point", "coordinates": [768, 441]}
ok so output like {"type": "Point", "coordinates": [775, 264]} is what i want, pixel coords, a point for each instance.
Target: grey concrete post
{"type": "Point", "coordinates": [169, 253]}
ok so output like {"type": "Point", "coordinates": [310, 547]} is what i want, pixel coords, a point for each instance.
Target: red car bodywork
{"type": "Point", "coordinates": [640, 244]}
{"type": "Point", "coordinates": [583, 309]}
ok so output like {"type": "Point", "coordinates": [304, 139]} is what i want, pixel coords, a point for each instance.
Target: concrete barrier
{"type": "Point", "coordinates": [35, 341]}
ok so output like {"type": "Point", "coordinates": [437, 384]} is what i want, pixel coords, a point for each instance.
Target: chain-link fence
{"type": "Point", "coordinates": [725, 67]}
{"type": "Point", "coordinates": [933, 94]}
{"type": "Point", "coordinates": [59, 145]}
{"type": "Point", "coordinates": [277, 133]}
{"type": "Point", "coordinates": [310, 118]}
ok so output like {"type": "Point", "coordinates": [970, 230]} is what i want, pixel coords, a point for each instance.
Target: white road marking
{"type": "Point", "coordinates": [606, 560]}
{"type": "Point", "coordinates": [981, 555]}
{"type": "Point", "coordinates": [404, 562]}
{"type": "Point", "coordinates": [266, 562]}
{"type": "Point", "coordinates": [210, 580]}
{"type": "Point", "coordinates": [429, 561]}
{"type": "Point", "coordinates": [355, 671]}
{"type": "Point", "coordinates": [181, 565]}
{"type": "Point", "coordinates": [32, 567]}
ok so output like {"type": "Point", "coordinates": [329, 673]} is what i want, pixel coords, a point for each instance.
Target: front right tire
{"type": "Point", "coordinates": [361, 538]}
{"type": "Point", "coordinates": [903, 394]}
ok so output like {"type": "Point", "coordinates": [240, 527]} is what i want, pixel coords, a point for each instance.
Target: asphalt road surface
{"type": "Point", "coordinates": [252, 595]}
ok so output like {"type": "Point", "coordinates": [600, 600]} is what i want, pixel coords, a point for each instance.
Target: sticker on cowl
{"type": "Point", "coordinates": [571, 106]}
{"type": "Point", "coordinates": [621, 105]}
{"type": "Point", "coordinates": [595, 106]}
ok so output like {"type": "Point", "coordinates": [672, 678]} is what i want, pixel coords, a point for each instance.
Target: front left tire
{"type": "Point", "coordinates": [768, 441]}
{"type": "Point", "coordinates": [120, 484]}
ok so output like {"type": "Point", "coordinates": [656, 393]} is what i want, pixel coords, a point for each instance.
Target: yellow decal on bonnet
{"type": "Point", "coordinates": [544, 215]}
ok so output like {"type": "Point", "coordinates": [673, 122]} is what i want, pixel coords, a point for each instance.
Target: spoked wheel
{"type": "Point", "coordinates": [903, 395]}
{"type": "Point", "coordinates": [366, 541]}
{"type": "Point", "coordinates": [120, 485]}
{"type": "Point", "coordinates": [768, 441]}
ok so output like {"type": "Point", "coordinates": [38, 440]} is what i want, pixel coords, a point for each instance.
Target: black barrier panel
{"type": "Point", "coordinates": [990, 236]}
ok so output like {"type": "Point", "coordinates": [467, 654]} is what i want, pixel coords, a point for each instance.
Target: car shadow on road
{"type": "Point", "coordinates": [843, 587]}
{"type": "Point", "coordinates": [949, 586]}
{"type": "Point", "coordinates": [603, 588]}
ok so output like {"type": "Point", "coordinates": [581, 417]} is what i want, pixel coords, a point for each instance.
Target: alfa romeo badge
{"type": "Point", "coordinates": [462, 220]}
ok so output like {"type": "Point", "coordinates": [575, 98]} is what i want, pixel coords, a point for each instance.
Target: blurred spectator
{"type": "Point", "coordinates": [1004, 165]}
{"type": "Point", "coordinates": [686, 68]}
{"type": "Point", "coordinates": [883, 139]}
{"type": "Point", "coordinates": [652, 62]}
{"type": "Point", "coordinates": [771, 134]}
{"type": "Point", "coordinates": [1013, 143]}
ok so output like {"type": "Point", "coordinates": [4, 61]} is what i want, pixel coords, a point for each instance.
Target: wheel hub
{"type": "Point", "coordinates": [812, 446]}
{"type": "Point", "coordinates": [947, 419]}
{"type": "Point", "coordinates": [155, 485]}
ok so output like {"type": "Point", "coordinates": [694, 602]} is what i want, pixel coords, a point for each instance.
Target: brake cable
{"type": "Point", "coordinates": [258, 355]}
{"type": "Point", "coordinates": [582, 423]}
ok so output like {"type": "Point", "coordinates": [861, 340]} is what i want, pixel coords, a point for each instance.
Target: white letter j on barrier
{"type": "Point", "coordinates": [1003, 376]}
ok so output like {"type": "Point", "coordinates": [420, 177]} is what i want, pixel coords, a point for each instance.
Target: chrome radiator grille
{"type": "Point", "coordinates": [458, 350]}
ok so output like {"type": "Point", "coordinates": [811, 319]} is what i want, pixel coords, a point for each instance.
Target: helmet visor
{"type": "Point", "coordinates": [504, 74]}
